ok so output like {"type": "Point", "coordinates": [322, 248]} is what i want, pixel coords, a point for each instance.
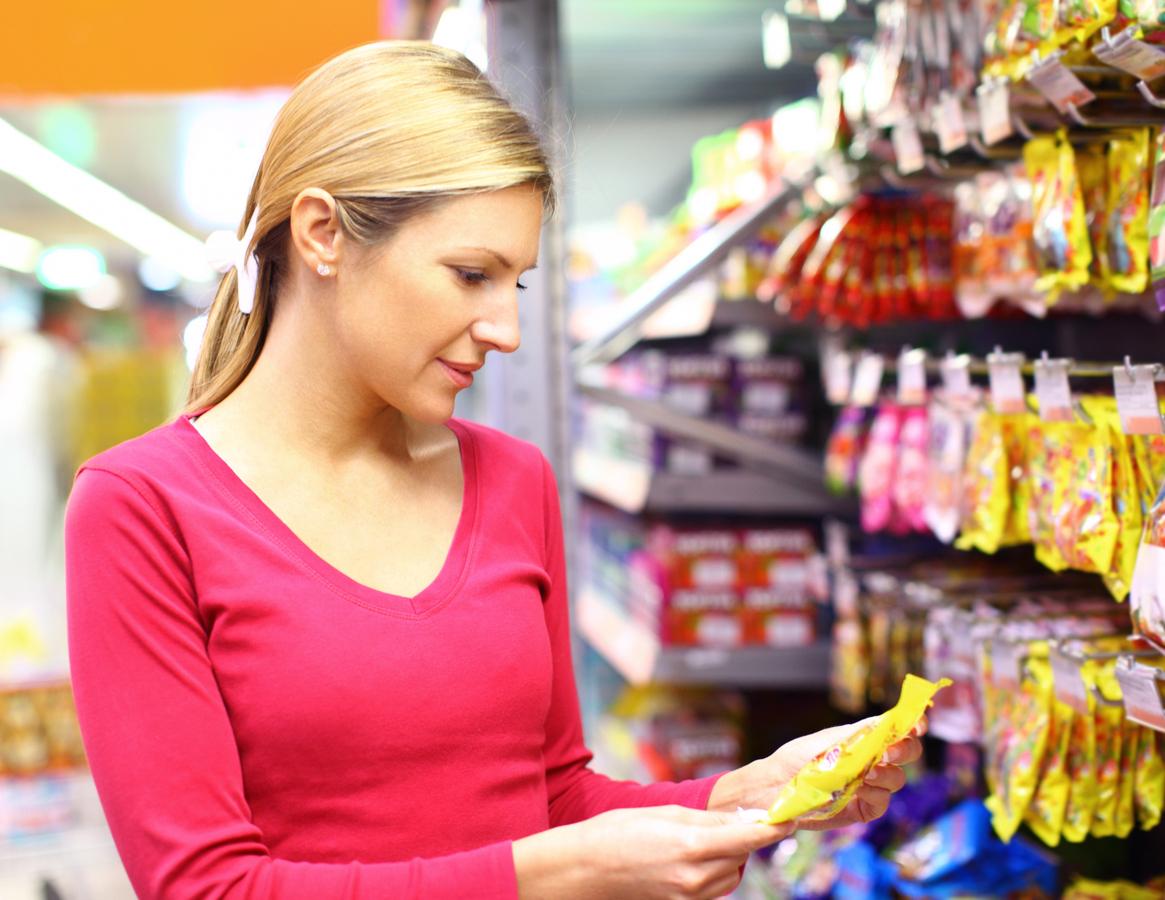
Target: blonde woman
{"type": "Point", "coordinates": [318, 628]}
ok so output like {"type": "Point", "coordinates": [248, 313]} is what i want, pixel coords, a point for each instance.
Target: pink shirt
{"type": "Point", "coordinates": [259, 725]}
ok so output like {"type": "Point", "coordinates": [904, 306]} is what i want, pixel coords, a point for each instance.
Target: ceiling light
{"type": "Point", "coordinates": [157, 275]}
{"type": "Point", "coordinates": [70, 268]}
{"type": "Point", "coordinates": [18, 251]}
{"type": "Point", "coordinates": [104, 294]}
{"type": "Point", "coordinates": [97, 202]}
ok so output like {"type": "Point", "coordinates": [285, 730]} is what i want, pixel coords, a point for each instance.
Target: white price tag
{"type": "Point", "coordinates": [912, 378]}
{"type": "Point", "coordinates": [1005, 663]}
{"type": "Point", "coordinates": [950, 123]}
{"type": "Point", "coordinates": [838, 377]}
{"type": "Point", "coordinates": [1067, 683]}
{"type": "Point", "coordinates": [1057, 83]}
{"type": "Point", "coordinates": [956, 372]}
{"type": "Point", "coordinates": [1053, 391]}
{"type": "Point", "coordinates": [1136, 398]}
{"type": "Point", "coordinates": [1141, 697]}
{"type": "Point", "coordinates": [1128, 54]}
{"type": "Point", "coordinates": [867, 380]}
{"type": "Point", "coordinates": [907, 143]}
{"type": "Point", "coordinates": [1007, 389]}
{"type": "Point", "coordinates": [994, 111]}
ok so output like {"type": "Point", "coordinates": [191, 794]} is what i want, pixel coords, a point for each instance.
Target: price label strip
{"type": "Point", "coordinates": [950, 123]}
{"type": "Point", "coordinates": [956, 374]}
{"type": "Point", "coordinates": [1136, 398]}
{"type": "Point", "coordinates": [994, 111]}
{"type": "Point", "coordinates": [908, 150]}
{"type": "Point", "coordinates": [1067, 683]}
{"type": "Point", "coordinates": [912, 378]}
{"type": "Point", "coordinates": [1052, 390]}
{"type": "Point", "coordinates": [867, 380]}
{"type": "Point", "coordinates": [1008, 394]}
{"type": "Point", "coordinates": [1142, 699]}
{"type": "Point", "coordinates": [1057, 83]}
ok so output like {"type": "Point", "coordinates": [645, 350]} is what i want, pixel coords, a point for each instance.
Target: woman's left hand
{"type": "Point", "coordinates": [756, 785]}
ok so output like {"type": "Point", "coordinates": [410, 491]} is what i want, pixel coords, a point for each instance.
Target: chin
{"type": "Point", "coordinates": [435, 412]}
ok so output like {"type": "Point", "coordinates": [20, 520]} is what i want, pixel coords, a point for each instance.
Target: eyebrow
{"type": "Point", "coordinates": [504, 260]}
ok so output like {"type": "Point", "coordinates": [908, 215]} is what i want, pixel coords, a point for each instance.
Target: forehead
{"type": "Point", "coordinates": [507, 221]}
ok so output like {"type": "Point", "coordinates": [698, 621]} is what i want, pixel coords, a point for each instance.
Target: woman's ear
{"type": "Point", "coordinates": [315, 230]}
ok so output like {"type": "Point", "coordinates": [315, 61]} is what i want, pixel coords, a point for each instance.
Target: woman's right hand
{"type": "Point", "coordinates": [650, 853]}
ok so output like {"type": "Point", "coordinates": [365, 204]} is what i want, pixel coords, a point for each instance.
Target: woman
{"type": "Point", "coordinates": [318, 628]}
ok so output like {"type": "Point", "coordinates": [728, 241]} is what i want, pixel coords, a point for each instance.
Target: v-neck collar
{"type": "Point", "coordinates": [439, 592]}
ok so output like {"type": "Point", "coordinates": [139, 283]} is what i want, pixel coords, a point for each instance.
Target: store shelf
{"type": "Point", "coordinates": [635, 487]}
{"type": "Point", "coordinates": [636, 653]}
{"type": "Point", "coordinates": [803, 469]}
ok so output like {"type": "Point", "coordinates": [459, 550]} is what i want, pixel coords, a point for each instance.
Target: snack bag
{"type": "Point", "coordinates": [1109, 736]}
{"type": "Point", "coordinates": [1081, 764]}
{"type": "Point", "coordinates": [845, 449]}
{"type": "Point", "coordinates": [1147, 597]}
{"type": "Point", "coordinates": [1078, 20]}
{"type": "Point", "coordinates": [1149, 780]}
{"type": "Point", "coordinates": [909, 490]}
{"type": "Point", "coordinates": [1017, 529]}
{"type": "Point", "coordinates": [1127, 509]}
{"type": "Point", "coordinates": [1050, 457]}
{"type": "Point", "coordinates": [1021, 756]}
{"type": "Point", "coordinates": [986, 487]}
{"type": "Point", "coordinates": [1045, 816]}
{"type": "Point", "coordinates": [1061, 231]}
{"type": "Point", "coordinates": [1127, 219]}
{"type": "Point", "coordinates": [1086, 889]}
{"type": "Point", "coordinates": [1086, 526]}
{"type": "Point", "coordinates": [826, 785]}
{"type": "Point", "coordinates": [1126, 801]}
{"type": "Point", "coordinates": [946, 464]}
{"type": "Point", "coordinates": [878, 469]}
{"type": "Point", "coordinates": [1092, 165]}
{"type": "Point", "coordinates": [1157, 221]}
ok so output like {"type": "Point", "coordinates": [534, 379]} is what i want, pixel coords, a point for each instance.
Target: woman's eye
{"type": "Point", "coordinates": [471, 277]}
{"type": "Point", "coordinates": [521, 286]}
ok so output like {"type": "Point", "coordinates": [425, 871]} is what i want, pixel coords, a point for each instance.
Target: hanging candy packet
{"type": "Point", "coordinates": [971, 259]}
{"type": "Point", "coordinates": [1126, 803]}
{"type": "Point", "coordinates": [1045, 816]}
{"type": "Point", "coordinates": [825, 786]}
{"type": "Point", "coordinates": [1126, 508]}
{"type": "Point", "coordinates": [1127, 219]}
{"type": "Point", "coordinates": [1021, 756]}
{"type": "Point", "coordinates": [844, 450]}
{"type": "Point", "coordinates": [986, 483]}
{"type": "Point", "coordinates": [1082, 765]}
{"type": "Point", "coordinates": [1157, 221]}
{"type": "Point", "coordinates": [1109, 716]}
{"type": "Point", "coordinates": [1010, 260]}
{"type": "Point", "coordinates": [909, 490]}
{"type": "Point", "coordinates": [1092, 166]}
{"type": "Point", "coordinates": [1085, 519]}
{"type": "Point", "coordinates": [1060, 230]}
{"type": "Point", "coordinates": [1078, 20]}
{"type": "Point", "coordinates": [947, 458]}
{"type": "Point", "coordinates": [1017, 528]}
{"type": "Point", "coordinates": [1050, 449]}
{"type": "Point", "coordinates": [877, 471]}
{"type": "Point", "coordinates": [1147, 596]}
{"type": "Point", "coordinates": [1149, 786]}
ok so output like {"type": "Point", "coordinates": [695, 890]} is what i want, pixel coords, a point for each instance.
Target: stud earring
{"type": "Point", "coordinates": [324, 269]}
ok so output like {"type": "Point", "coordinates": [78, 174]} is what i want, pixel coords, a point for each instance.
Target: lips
{"type": "Point", "coordinates": [461, 374]}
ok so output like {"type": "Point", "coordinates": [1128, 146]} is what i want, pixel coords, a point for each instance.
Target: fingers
{"type": "Point", "coordinates": [903, 753]}
{"type": "Point", "coordinates": [870, 803]}
{"type": "Point", "coordinates": [889, 778]}
{"type": "Point", "coordinates": [739, 838]}
{"type": "Point", "coordinates": [724, 886]}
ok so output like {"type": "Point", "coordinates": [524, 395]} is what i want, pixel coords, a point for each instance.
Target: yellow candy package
{"type": "Point", "coordinates": [1049, 450]}
{"type": "Point", "coordinates": [1086, 525]}
{"type": "Point", "coordinates": [1015, 431]}
{"type": "Point", "coordinates": [986, 496]}
{"type": "Point", "coordinates": [1149, 780]}
{"type": "Point", "coordinates": [1126, 799]}
{"type": "Point", "coordinates": [1109, 718]}
{"type": "Point", "coordinates": [1061, 229]}
{"type": "Point", "coordinates": [1127, 214]}
{"type": "Point", "coordinates": [1078, 20]}
{"type": "Point", "coordinates": [1086, 889]}
{"type": "Point", "coordinates": [1126, 504]}
{"type": "Point", "coordinates": [823, 788]}
{"type": "Point", "coordinates": [1081, 764]}
{"type": "Point", "coordinates": [1092, 165]}
{"type": "Point", "coordinates": [1020, 754]}
{"type": "Point", "coordinates": [1045, 816]}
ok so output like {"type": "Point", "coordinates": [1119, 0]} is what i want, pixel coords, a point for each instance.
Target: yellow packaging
{"type": "Point", "coordinates": [1086, 525]}
{"type": "Point", "coordinates": [1127, 226]}
{"type": "Point", "coordinates": [1086, 889]}
{"type": "Point", "coordinates": [1109, 734]}
{"type": "Point", "coordinates": [1127, 508]}
{"type": "Point", "coordinates": [1061, 229]}
{"type": "Point", "coordinates": [1045, 816]}
{"type": "Point", "coordinates": [1046, 451]}
{"type": "Point", "coordinates": [1149, 785]}
{"type": "Point", "coordinates": [1015, 430]}
{"type": "Point", "coordinates": [1024, 740]}
{"type": "Point", "coordinates": [1092, 165]}
{"type": "Point", "coordinates": [986, 487]}
{"type": "Point", "coordinates": [825, 786]}
{"type": "Point", "coordinates": [1081, 764]}
{"type": "Point", "coordinates": [1126, 804]}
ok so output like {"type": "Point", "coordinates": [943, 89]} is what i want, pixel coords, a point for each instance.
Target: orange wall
{"type": "Point", "coordinates": [162, 46]}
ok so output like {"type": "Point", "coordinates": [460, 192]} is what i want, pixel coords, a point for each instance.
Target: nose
{"type": "Point", "coordinates": [499, 326]}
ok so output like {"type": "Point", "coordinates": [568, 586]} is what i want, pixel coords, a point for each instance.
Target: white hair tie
{"type": "Point", "coordinates": [224, 252]}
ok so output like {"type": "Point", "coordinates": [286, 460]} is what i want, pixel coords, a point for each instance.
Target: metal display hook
{"type": "Point", "coordinates": [1084, 121]}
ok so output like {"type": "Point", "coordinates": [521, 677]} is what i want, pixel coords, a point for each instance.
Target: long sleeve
{"type": "Point", "coordinates": [159, 737]}
{"type": "Point", "coordinates": [575, 791]}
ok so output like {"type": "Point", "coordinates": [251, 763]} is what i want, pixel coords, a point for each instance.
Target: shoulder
{"type": "Point", "coordinates": [498, 452]}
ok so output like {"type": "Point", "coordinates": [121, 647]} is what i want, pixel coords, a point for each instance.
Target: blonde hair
{"type": "Point", "coordinates": [390, 130]}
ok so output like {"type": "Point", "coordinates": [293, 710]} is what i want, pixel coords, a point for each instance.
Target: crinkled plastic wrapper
{"type": "Point", "coordinates": [825, 786]}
